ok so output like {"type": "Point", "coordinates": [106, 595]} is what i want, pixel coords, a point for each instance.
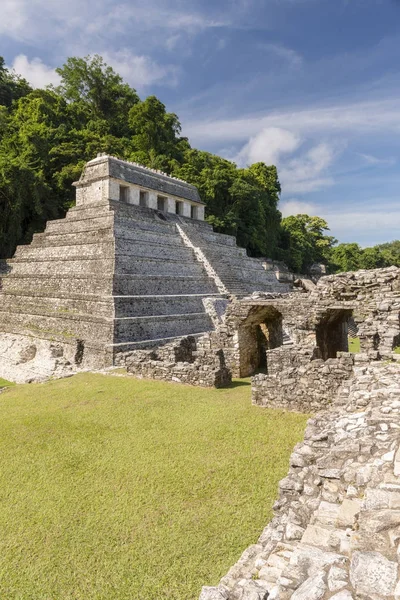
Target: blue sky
{"type": "Point", "coordinates": [310, 85]}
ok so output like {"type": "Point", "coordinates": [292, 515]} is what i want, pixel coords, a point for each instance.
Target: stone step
{"type": "Point", "coordinates": [139, 285]}
{"type": "Point", "coordinates": [209, 237]}
{"type": "Point", "coordinates": [133, 329]}
{"type": "Point", "coordinates": [65, 266]}
{"type": "Point", "coordinates": [63, 327]}
{"type": "Point", "coordinates": [53, 285]}
{"type": "Point", "coordinates": [44, 240]}
{"type": "Point", "coordinates": [123, 347]}
{"type": "Point", "coordinates": [105, 249]}
{"type": "Point", "coordinates": [75, 252]}
{"type": "Point", "coordinates": [138, 249]}
{"type": "Point", "coordinates": [57, 306]}
{"type": "Point", "coordinates": [90, 211]}
{"type": "Point", "coordinates": [66, 226]}
{"type": "Point", "coordinates": [220, 251]}
{"type": "Point", "coordinates": [157, 266]}
{"type": "Point", "coordinates": [130, 306]}
{"type": "Point", "coordinates": [125, 223]}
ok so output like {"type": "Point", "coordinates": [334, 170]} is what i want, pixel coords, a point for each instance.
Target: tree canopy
{"type": "Point", "coordinates": [47, 135]}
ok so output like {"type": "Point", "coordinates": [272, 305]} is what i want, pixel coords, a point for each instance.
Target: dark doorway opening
{"type": "Point", "coordinates": [261, 331]}
{"type": "Point", "coordinates": [332, 332]}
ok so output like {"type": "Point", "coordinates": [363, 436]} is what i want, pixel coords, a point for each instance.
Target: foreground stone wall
{"type": "Point", "coordinates": [374, 298]}
{"type": "Point", "coordinates": [189, 360]}
{"type": "Point", "coordinates": [297, 382]}
{"type": "Point", "coordinates": [336, 528]}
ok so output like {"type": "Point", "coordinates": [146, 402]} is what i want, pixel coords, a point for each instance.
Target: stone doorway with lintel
{"type": "Point", "coordinates": [260, 331]}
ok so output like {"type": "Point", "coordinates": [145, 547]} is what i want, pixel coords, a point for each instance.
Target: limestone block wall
{"type": "Point", "coordinates": [374, 298]}
{"type": "Point", "coordinates": [297, 382]}
{"type": "Point", "coordinates": [189, 360]}
{"type": "Point", "coordinates": [335, 530]}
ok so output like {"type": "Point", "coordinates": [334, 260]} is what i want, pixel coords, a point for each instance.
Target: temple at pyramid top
{"type": "Point", "coordinates": [109, 178]}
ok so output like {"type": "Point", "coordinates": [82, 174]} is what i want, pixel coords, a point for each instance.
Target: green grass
{"type": "Point", "coordinates": [113, 488]}
{"type": "Point", "coordinates": [5, 383]}
{"type": "Point", "coordinates": [396, 350]}
{"type": "Point", "coordinates": [354, 345]}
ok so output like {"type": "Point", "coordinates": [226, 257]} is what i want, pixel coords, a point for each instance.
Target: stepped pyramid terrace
{"type": "Point", "coordinates": [130, 266]}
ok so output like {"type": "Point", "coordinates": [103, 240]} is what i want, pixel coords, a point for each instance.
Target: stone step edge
{"type": "Point", "coordinates": [86, 317]}
{"type": "Point", "coordinates": [112, 238]}
{"type": "Point", "coordinates": [148, 296]}
{"type": "Point", "coordinates": [105, 298]}
{"type": "Point", "coordinates": [113, 257]}
{"type": "Point", "coordinates": [142, 319]}
{"type": "Point", "coordinates": [108, 277]}
{"type": "Point", "coordinates": [89, 317]}
{"type": "Point", "coordinates": [156, 341]}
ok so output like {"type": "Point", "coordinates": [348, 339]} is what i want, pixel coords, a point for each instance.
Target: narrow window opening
{"type": "Point", "coordinates": [80, 348]}
{"type": "Point", "coordinates": [124, 193]}
{"type": "Point", "coordinates": [179, 207]}
{"type": "Point", "coordinates": [193, 212]}
{"type": "Point", "coordinates": [143, 198]}
{"type": "Point", "coordinates": [162, 203]}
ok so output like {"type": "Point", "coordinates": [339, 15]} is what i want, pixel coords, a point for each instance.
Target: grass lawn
{"type": "Point", "coordinates": [5, 383]}
{"type": "Point", "coordinates": [113, 488]}
{"type": "Point", "coordinates": [354, 345]}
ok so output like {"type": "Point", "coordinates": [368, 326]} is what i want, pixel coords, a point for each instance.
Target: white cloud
{"type": "Point", "coordinates": [303, 174]}
{"type": "Point", "coordinates": [374, 160]}
{"type": "Point", "coordinates": [365, 220]}
{"type": "Point", "coordinates": [267, 146]}
{"type": "Point", "coordinates": [35, 71]}
{"type": "Point", "coordinates": [141, 71]}
{"type": "Point", "coordinates": [298, 175]}
{"type": "Point", "coordinates": [297, 207]}
{"type": "Point", "coordinates": [26, 20]}
{"type": "Point", "coordinates": [288, 55]}
{"type": "Point", "coordinates": [359, 117]}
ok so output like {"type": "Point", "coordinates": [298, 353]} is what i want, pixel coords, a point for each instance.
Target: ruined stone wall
{"type": "Point", "coordinates": [296, 382]}
{"type": "Point", "coordinates": [374, 298]}
{"type": "Point", "coordinates": [335, 531]}
{"type": "Point", "coordinates": [189, 360]}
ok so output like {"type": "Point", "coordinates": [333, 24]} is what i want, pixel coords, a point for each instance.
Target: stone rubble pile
{"type": "Point", "coordinates": [335, 533]}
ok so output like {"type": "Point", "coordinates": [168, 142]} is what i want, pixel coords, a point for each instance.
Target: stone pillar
{"type": "Point", "coordinates": [170, 205]}
{"type": "Point", "coordinates": [152, 200]}
{"type": "Point", "coordinates": [186, 210]}
{"type": "Point", "coordinates": [200, 212]}
{"type": "Point", "coordinates": [134, 195]}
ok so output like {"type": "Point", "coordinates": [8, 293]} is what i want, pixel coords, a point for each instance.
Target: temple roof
{"type": "Point", "coordinates": [109, 166]}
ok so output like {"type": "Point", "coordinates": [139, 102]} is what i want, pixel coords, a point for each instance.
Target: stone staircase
{"type": "Point", "coordinates": [118, 277]}
{"type": "Point", "coordinates": [239, 273]}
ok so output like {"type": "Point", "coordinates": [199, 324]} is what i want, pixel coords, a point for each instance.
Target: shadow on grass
{"type": "Point", "coordinates": [240, 382]}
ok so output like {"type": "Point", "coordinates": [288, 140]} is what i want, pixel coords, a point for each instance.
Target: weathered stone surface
{"type": "Point", "coordinates": [348, 512]}
{"type": "Point", "coordinates": [312, 589]}
{"type": "Point", "coordinates": [213, 593]}
{"type": "Point", "coordinates": [351, 538]}
{"type": "Point", "coordinates": [343, 595]}
{"type": "Point", "coordinates": [372, 573]}
{"type": "Point", "coordinates": [337, 578]}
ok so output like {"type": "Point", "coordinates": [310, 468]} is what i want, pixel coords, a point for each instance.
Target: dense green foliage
{"type": "Point", "coordinates": [118, 489]}
{"type": "Point", "coordinates": [46, 136]}
{"type": "Point", "coordinates": [350, 257]}
{"type": "Point", "coordinates": [305, 242]}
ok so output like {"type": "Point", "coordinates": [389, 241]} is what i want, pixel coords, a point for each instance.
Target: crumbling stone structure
{"type": "Point", "coordinates": [306, 374]}
{"type": "Point", "coordinates": [335, 532]}
{"type": "Point", "coordinates": [130, 267]}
